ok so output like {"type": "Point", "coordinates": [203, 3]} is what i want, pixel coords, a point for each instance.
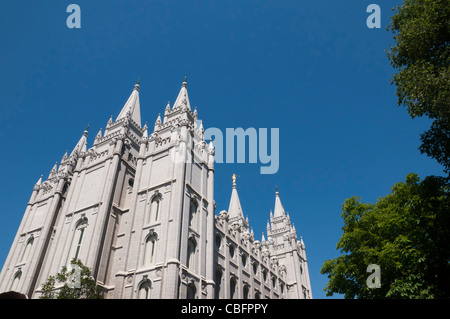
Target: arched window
{"type": "Point", "coordinates": [245, 292]}
{"type": "Point", "coordinates": [218, 241]}
{"type": "Point", "coordinates": [16, 280]}
{"type": "Point", "coordinates": [244, 260]}
{"type": "Point", "coordinates": [155, 210]}
{"type": "Point", "coordinates": [233, 288]}
{"type": "Point", "coordinates": [191, 290]}
{"type": "Point", "coordinates": [145, 289]}
{"type": "Point", "coordinates": [193, 212]}
{"type": "Point", "coordinates": [231, 250]}
{"type": "Point", "coordinates": [218, 291]}
{"type": "Point", "coordinates": [255, 268]}
{"type": "Point", "coordinates": [257, 295]}
{"type": "Point", "coordinates": [191, 253]}
{"type": "Point", "coordinates": [265, 275]}
{"type": "Point", "coordinates": [77, 240]}
{"type": "Point", "coordinates": [150, 249]}
{"type": "Point", "coordinates": [27, 250]}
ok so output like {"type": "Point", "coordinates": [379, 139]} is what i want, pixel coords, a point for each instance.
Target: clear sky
{"type": "Point", "coordinates": [313, 69]}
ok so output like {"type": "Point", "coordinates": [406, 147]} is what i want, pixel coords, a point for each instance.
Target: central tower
{"type": "Point", "coordinates": [161, 249]}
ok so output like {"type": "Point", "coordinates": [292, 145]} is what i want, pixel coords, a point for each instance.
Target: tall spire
{"type": "Point", "coordinates": [235, 209]}
{"type": "Point", "coordinates": [183, 98]}
{"type": "Point", "coordinates": [132, 106]}
{"type": "Point", "coordinates": [82, 143]}
{"type": "Point", "coordinates": [279, 210]}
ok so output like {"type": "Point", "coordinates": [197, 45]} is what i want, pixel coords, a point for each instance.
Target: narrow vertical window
{"type": "Point", "coordinates": [218, 291]}
{"type": "Point", "coordinates": [193, 214]}
{"type": "Point", "coordinates": [150, 250]}
{"type": "Point", "coordinates": [233, 288]}
{"type": "Point", "coordinates": [16, 280]}
{"type": "Point", "coordinates": [245, 292]}
{"type": "Point", "coordinates": [191, 253]}
{"type": "Point", "coordinates": [191, 290]}
{"type": "Point", "coordinates": [144, 290]}
{"type": "Point", "coordinates": [77, 240]}
{"type": "Point", "coordinates": [154, 210]}
{"type": "Point", "coordinates": [27, 250]}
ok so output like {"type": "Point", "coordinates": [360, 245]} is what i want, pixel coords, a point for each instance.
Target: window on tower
{"type": "Point", "coordinates": [144, 289]}
{"type": "Point", "coordinates": [27, 250]}
{"type": "Point", "coordinates": [77, 240]}
{"type": "Point", "coordinates": [150, 249]}
{"type": "Point", "coordinates": [193, 212]}
{"type": "Point", "coordinates": [191, 253]}
{"type": "Point", "coordinates": [155, 210]}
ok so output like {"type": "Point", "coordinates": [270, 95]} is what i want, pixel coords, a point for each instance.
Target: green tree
{"type": "Point", "coordinates": [406, 234]}
{"type": "Point", "coordinates": [421, 54]}
{"type": "Point", "coordinates": [77, 284]}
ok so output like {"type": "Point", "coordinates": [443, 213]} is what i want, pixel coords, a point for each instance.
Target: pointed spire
{"type": "Point", "coordinates": [39, 182]}
{"type": "Point", "coordinates": [183, 98]}
{"type": "Point", "coordinates": [99, 134]}
{"type": "Point", "coordinates": [279, 210]}
{"type": "Point", "coordinates": [235, 209]}
{"type": "Point", "coordinates": [54, 170]}
{"type": "Point", "coordinates": [132, 106]}
{"type": "Point", "coordinates": [211, 145]}
{"type": "Point", "coordinates": [81, 145]}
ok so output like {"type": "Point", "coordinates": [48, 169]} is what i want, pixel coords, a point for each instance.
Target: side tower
{"type": "Point", "coordinates": [245, 268]}
{"type": "Point", "coordinates": [162, 248]}
{"type": "Point", "coordinates": [286, 249]}
{"type": "Point", "coordinates": [74, 213]}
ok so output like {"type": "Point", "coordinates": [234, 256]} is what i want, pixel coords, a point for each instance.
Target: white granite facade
{"type": "Point", "coordinates": [139, 210]}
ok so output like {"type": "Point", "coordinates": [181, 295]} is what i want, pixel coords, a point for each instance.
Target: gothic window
{"type": "Point", "coordinates": [27, 250]}
{"type": "Point", "coordinates": [265, 275]}
{"type": "Point", "coordinates": [255, 268]}
{"type": "Point", "coordinates": [233, 288]}
{"type": "Point", "coordinates": [144, 289]}
{"type": "Point", "coordinates": [282, 288]}
{"type": "Point", "coordinates": [244, 260]}
{"type": "Point", "coordinates": [257, 295]}
{"type": "Point", "coordinates": [150, 249]}
{"type": "Point", "coordinates": [77, 240]}
{"type": "Point", "coordinates": [16, 280]}
{"type": "Point", "coordinates": [245, 292]}
{"type": "Point", "coordinates": [218, 241]}
{"type": "Point", "coordinates": [231, 250]}
{"type": "Point", "coordinates": [218, 291]}
{"type": "Point", "coordinates": [274, 282]}
{"type": "Point", "coordinates": [191, 290]}
{"type": "Point", "coordinates": [155, 208]}
{"type": "Point", "coordinates": [193, 212]}
{"type": "Point", "coordinates": [191, 253]}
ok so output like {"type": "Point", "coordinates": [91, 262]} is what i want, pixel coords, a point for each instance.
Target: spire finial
{"type": "Point", "coordinates": [276, 190]}
{"type": "Point", "coordinates": [185, 80]}
{"type": "Point", "coordinates": [87, 129]}
{"type": "Point", "coordinates": [136, 86]}
{"type": "Point", "coordinates": [234, 180]}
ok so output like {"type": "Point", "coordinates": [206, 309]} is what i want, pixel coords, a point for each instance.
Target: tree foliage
{"type": "Point", "coordinates": [405, 233]}
{"type": "Point", "coordinates": [76, 283]}
{"type": "Point", "coordinates": [422, 56]}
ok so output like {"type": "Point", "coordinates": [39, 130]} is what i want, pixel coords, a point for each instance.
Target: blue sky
{"type": "Point", "coordinates": [313, 69]}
